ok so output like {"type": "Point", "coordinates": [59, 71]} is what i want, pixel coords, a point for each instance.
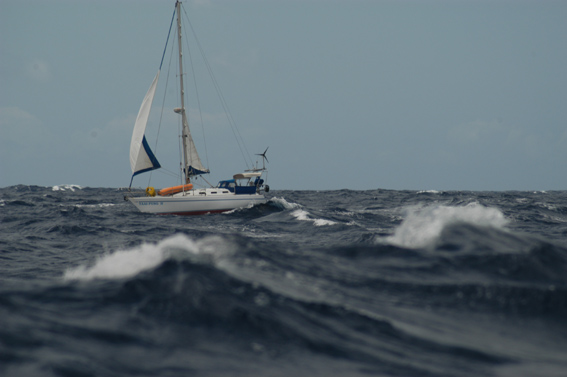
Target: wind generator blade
{"type": "Point", "coordinates": [263, 154]}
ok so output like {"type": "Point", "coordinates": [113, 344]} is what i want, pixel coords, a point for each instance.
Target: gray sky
{"type": "Point", "coordinates": [444, 95]}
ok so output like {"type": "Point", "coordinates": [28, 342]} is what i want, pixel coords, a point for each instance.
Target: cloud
{"type": "Point", "coordinates": [202, 2]}
{"type": "Point", "coordinates": [39, 70]}
{"type": "Point", "coordinates": [25, 142]}
{"type": "Point", "coordinates": [528, 143]}
{"type": "Point", "coordinates": [12, 115]}
{"type": "Point", "coordinates": [501, 139]}
{"type": "Point", "coordinates": [209, 120]}
{"type": "Point", "coordinates": [121, 124]}
{"type": "Point", "coordinates": [237, 61]}
{"type": "Point", "coordinates": [475, 131]}
{"type": "Point", "coordinates": [19, 127]}
{"type": "Point", "coordinates": [113, 136]}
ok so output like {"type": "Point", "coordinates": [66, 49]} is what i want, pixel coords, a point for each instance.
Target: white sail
{"type": "Point", "coordinates": [142, 158]}
{"type": "Point", "coordinates": [194, 165]}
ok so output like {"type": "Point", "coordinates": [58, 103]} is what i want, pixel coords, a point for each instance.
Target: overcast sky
{"type": "Point", "coordinates": [440, 95]}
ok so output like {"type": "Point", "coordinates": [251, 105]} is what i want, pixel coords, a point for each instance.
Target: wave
{"type": "Point", "coordinates": [100, 205]}
{"type": "Point", "coordinates": [298, 212]}
{"type": "Point", "coordinates": [471, 289]}
{"type": "Point", "coordinates": [128, 263]}
{"type": "Point", "coordinates": [303, 215]}
{"type": "Point", "coordinates": [66, 187]}
{"type": "Point", "coordinates": [281, 203]}
{"type": "Point", "coordinates": [423, 225]}
{"type": "Point", "coordinates": [260, 314]}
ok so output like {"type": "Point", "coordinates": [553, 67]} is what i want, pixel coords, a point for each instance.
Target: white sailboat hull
{"type": "Point", "coordinates": [196, 202]}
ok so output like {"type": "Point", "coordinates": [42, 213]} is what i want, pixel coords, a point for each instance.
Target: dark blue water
{"type": "Point", "coordinates": [330, 283]}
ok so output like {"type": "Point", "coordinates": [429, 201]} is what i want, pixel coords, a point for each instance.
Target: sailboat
{"type": "Point", "coordinates": [243, 190]}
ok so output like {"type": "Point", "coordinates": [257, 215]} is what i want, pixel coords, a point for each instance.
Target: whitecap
{"type": "Point", "coordinates": [101, 205]}
{"type": "Point", "coordinates": [128, 263]}
{"type": "Point", "coordinates": [423, 225]}
{"type": "Point", "coordinates": [283, 204]}
{"type": "Point", "coordinates": [303, 215]}
{"type": "Point", "coordinates": [66, 187]}
{"type": "Point", "coordinates": [235, 210]}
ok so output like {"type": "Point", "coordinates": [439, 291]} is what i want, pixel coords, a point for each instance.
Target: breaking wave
{"type": "Point", "coordinates": [423, 225]}
{"type": "Point", "coordinates": [127, 263]}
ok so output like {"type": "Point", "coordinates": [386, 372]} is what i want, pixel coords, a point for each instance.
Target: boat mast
{"type": "Point", "coordinates": [185, 125]}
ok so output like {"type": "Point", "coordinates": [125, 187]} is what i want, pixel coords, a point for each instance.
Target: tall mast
{"type": "Point", "coordinates": [185, 125]}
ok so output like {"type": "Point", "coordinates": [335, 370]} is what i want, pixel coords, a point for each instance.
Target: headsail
{"type": "Point", "coordinates": [142, 158]}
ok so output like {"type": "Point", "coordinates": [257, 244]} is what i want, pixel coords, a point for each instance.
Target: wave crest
{"type": "Point", "coordinates": [66, 187]}
{"type": "Point", "coordinates": [283, 204]}
{"type": "Point", "coordinates": [302, 215]}
{"type": "Point", "coordinates": [129, 263]}
{"type": "Point", "coordinates": [423, 225]}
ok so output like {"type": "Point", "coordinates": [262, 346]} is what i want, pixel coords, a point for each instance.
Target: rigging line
{"type": "Point", "coordinates": [209, 183]}
{"type": "Point", "coordinates": [168, 172]}
{"type": "Point", "coordinates": [197, 93]}
{"type": "Point", "coordinates": [167, 40]}
{"type": "Point", "coordinates": [163, 101]}
{"type": "Point", "coordinates": [160, 64]}
{"type": "Point", "coordinates": [235, 130]}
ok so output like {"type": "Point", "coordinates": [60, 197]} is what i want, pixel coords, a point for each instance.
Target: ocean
{"type": "Point", "coordinates": [313, 283]}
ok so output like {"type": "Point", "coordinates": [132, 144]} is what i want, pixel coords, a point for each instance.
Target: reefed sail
{"type": "Point", "coordinates": [194, 165]}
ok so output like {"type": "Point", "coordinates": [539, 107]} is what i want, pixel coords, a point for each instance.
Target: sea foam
{"type": "Point", "coordinates": [423, 225]}
{"type": "Point", "coordinates": [283, 204]}
{"type": "Point", "coordinates": [66, 187]}
{"type": "Point", "coordinates": [302, 215]}
{"type": "Point", "coordinates": [127, 263]}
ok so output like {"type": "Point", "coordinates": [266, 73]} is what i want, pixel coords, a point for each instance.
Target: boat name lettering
{"type": "Point", "coordinates": [151, 203]}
